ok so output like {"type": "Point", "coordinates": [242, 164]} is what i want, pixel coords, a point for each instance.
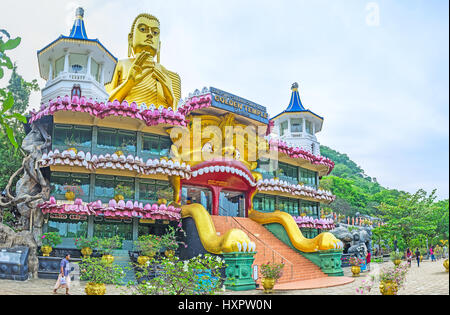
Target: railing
{"type": "Point", "coordinates": [234, 223]}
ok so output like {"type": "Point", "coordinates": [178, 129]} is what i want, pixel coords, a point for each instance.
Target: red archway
{"type": "Point", "coordinates": [218, 175]}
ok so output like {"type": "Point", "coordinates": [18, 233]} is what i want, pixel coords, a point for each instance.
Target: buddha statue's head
{"type": "Point", "coordinates": [144, 36]}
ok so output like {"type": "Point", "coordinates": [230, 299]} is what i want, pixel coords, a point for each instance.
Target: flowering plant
{"type": "Point", "coordinates": [51, 239]}
{"type": "Point", "coordinates": [366, 285]}
{"type": "Point", "coordinates": [355, 261]}
{"type": "Point", "coordinates": [272, 270]}
{"type": "Point", "coordinates": [83, 242]}
{"type": "Point", "coordinates": [396, 274]}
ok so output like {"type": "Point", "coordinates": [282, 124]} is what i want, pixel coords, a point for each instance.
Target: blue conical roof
{"type": "Point", "coordinates": [78, 29]}
{"type": "Point", "coordinates": [295, 105]}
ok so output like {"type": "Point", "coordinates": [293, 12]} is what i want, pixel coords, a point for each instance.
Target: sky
{"type": "Point", "coordinates": [377, 71]}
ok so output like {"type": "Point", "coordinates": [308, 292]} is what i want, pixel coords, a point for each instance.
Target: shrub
{"type": "Point", "coordinates": [96, 271]}
{"type": "Point", "coordinates": [396, 274]}
{"type": "Point", "coordinates": [272, 270]}
{"type": "Point", "coordinates": [107, 245]}
{"type": "Point", "coordinates": [355, 261]}
{"type": "Point", "coordinates": [148, 244]}
{"type": "Point", "coordinates": [396, 256]}
{"type": "Point", "coordinates": [51, 239]}
{"type": "Point", "coordinates": [200, 275]}
{"type": "Point", "coordinates": [83, 242]}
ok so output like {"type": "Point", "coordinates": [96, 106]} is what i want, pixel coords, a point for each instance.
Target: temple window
{"type": "Point", "coordinates": [150, 191]}
{"type": "Point", "coordinates": [111, 140]}
{"type": "Point", "coordinates": [68, 136]}
{"type": "Point", "coordinates": [288, 205]}
{"type": "Point", "coordinates": [155, 146]}
{"type": "Point", "coordinates": [78, 63]}
{"type": "Point", "coordinates": [288, 173]}
{"type": "Point", "coordinates": [109, 228]}
{"type": "Point", "coordinates": [308, 178]}
{"type": "Point", "coordinates": [61, 183]}
{"type": "Point", "coordinates": [296, 125]}
{"type": "Point", "coordinates": [59, 67]}
{"type": "Point", "coordinates": [283, 128]}
{"type": "Point", "coordinates": [309, 208]}
{"type": "Point", "coordinates": [108, 187]}
{"type": "Point", "coordinates": [95, 70]}
{"type": "Point", "coordinates": [76, 91]}
{"type": "Point", "coordinates": [264, 203]}
{"type": "Point", "coordinates": [68, 228]}
{"type": "Point", "coordinates": [308, 127]}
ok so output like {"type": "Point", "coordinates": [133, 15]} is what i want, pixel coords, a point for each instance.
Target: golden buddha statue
{"type": "Point", "coordinates": [139, 78]}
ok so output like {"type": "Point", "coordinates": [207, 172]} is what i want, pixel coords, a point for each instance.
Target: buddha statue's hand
{"type": "Point", "coordinates": [166, 83]}
{"type": "Point", "coordinates": [137, 70]}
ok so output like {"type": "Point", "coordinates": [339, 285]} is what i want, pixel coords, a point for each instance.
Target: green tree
{"type": "Point", "coordinates": [7, 97]}
{"type": "Point", "coordinates": [410, 217]}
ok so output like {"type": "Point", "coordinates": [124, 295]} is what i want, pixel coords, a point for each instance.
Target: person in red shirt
{"type": "Point", "coordinates": [368, 257]}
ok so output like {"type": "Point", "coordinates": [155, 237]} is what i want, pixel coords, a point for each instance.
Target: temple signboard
{"type": "Point", "coordinates": [239, 105]}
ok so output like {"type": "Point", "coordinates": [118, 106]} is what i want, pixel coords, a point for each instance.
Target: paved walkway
{"type": "Point", "coordinates": [429, 279]}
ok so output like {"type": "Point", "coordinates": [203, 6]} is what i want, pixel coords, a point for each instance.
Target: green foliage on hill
{"type": "Point", "coordinates": [409, 218]}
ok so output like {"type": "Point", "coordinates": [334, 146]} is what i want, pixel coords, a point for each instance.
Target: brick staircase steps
{"type": "Point", "coordinates": [299, 269]}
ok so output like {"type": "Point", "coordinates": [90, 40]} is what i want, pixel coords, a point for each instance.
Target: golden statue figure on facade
{"type": "Point", "coordinates": [139, 78]}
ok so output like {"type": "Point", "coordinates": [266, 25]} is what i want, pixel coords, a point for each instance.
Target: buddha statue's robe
{"type": "Point", "coordinates": [149, 90]}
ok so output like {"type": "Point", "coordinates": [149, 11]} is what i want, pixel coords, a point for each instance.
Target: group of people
{"type": "Point", "coordinates": [409, 256]}
{"type": "Point", "coordinates": [418, 255]}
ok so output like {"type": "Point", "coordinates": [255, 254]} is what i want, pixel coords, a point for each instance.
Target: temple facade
{"type": "Point", "coordinates": [130, 169]}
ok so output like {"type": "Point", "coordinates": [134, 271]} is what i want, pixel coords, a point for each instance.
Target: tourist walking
{"type": "Point", "coordinates": [64, 275]}
{"type": "Point", "coordinates": [418, 257]}
{"type": "Point", "coordinates": [368, 259]}
{"type": "Point", "coordinates": [432, 254]}
{"type": "Point", "coordinates": [408, 257]}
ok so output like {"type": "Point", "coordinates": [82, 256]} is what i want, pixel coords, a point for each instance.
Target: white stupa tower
{"type": "Point", "coordinates": [297, 125]}
{"type": "Point", "coordinates": [76, 65]}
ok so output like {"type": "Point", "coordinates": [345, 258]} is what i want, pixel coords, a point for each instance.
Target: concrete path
{"type": "Point", "coordinates": [429, 279]}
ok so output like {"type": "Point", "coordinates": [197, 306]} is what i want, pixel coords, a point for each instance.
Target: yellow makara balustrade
{"type": "Point", "coordinates": [323, 241]}
{"type": "Point", "coordinates": [213, 243]}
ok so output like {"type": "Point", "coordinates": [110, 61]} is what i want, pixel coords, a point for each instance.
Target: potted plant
{"type": "Point", "coordinates": [169, 242]}
{"type": "Point", "coordinates": [148, 245]}
{"type": "Point", "coordinates": [392, 279]}
{"type": "Point", "coordinates": [98, 272]}
{"type": "Point", "coordinates": [356, 263]}
{"type": "Point", "coordinates": [73, 190]}
{"type": "Point", "coordinates": [71, 143]}
{"type": "Point", "coordinates": [107, 245]}
{"type": "Point", "coordinates": [49, 240]}
{"type": "Point", "coordinates": [123, 192]}
{"type": "Point", "coordinates": [270, 272]}
{"type": "Point", "coordinates": [164, 195]}
{"type": "Point", "coordinates": [86, 245]}
{"type": "Point", "coordinates": [123, 146]}
{"type": "Point", "coordinates": [396, 257]}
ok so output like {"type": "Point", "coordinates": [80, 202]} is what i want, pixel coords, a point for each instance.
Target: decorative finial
{"type": "Point", "coordinates": [79, 13]}
{"type": "Point", "coordinates": [294, 86]}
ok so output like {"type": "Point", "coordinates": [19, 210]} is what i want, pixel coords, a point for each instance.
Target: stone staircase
{"type": "Point", "coordinates": [271, 249]}
{"type": "Point", "coordinates": [122, 259]}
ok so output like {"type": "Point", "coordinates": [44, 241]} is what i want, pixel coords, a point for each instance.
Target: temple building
{"type": "Point", "coordinates": [121, 167]}
{"type": "Point", "coordinates": [76, 65]}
